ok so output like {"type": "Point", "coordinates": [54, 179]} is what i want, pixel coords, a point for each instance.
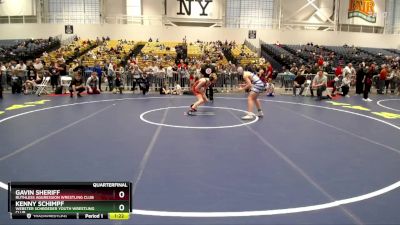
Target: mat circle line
{"type": "Point", "coordinates": [386, 107]}
{"type": "Point", "coordinates": [192, 127]}
{"type": "Point", "coordinates": [270, 212]}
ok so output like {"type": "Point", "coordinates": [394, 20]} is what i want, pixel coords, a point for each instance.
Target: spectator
{"type": "Point", "coordinates": [21, 68]}
{"type": "Point", "coordinates": [285, 81]}
{"type": "Point", "coordinates": [320, 83]}
{"type": "Point", "coordinates": [13, 66]}
{"type": "Point", "coordinates": [389, 80]}
{"type": "Point", "coordinates": [119, 84]}
{"type": "Point", "coordinates": [349, 69]}
{"type": "Point", "coordinates": [169, 74]}
{"type": "Point", "coordinates": [3, 68]}
{"type": "Point", "coordinates": [294, 69]}
{"type": "Point", "coordinates": [61, 68]}
{"type": "Point", "coordinates": [15, 82]}
{"type": "Point", "coordinates": [77, 85]}
{"type": "Point", "coordinates": [182, 65]}
{"type": "Point", "coordinates": [261, 60]}
{"type": "Point", "coordinates": [177, 89]}
{"type": "Point", "coordinates": [92, 84]}
{"type": "Point", "coordinates": [261, 74]}
{"type": "Point", "coordinates": [79, 68]}
{"type": "Point", "coordinates": [191, 73]}
{"type": "Point", "coordinates": [99, 72]}
{"type": "Point", "coordinates": [29, 70]}
{"type": "Point", "coordinates": [110, 76]}
{"type": "Point", "coordinates": [54, 75]}
{"type": "Point", "coordinates": [182, 71]}
{"type": "Point", "coordinates": [144, 84]}
{"type": "Point", "coordinates": [206, 70]}
{"type": "Point", "coordinates": [270, 88]}
{"type": "Point", "coordinates": [368, 82]}
{"type": "Point", "coordinates": [38, 65]}
{"type": "Point", "coordinates": [320, 61]}
{"type": "Point", "coordinates": [32, 80]}
{"type": "Point", "coordinates": [302, 70]}
{"type": "Point", "coordinates": [4, 72]}
{"type": "Point", "coordinates": [299, 82]}
{"type": "Point", "coordinates": [382, 79]}
{"type": "Point", "coordinates": [60, 59]}
{"type": "Point", "coordinates": [397, 80]}
{"type": "Point", "coordinates": [164, 90]}
{"type": "Point", "coordinates": [136, 75]}
{"type": "Point", "coordinates": [121, 69]}
{"type": "Point", "coordinates": [346, 85]}
{"type": "Point", "coordinates": [360, 74]}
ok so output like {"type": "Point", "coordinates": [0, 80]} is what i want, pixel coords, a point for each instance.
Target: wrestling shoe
{"type": "Point", "coordinates": [249, 116]}
{"type": "Point", "coordinates": [191, 112]}
{"type": "Point", "coordinates": [260, 114]}
{"type": "Point", "coordinates": [191, 108]}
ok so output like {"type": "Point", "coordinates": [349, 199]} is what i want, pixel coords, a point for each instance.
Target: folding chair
{"type": "Point", "coordinates": [66, 82]}
{"type": "Point", "coordinates": [307, 87]}
{"type": "Point", "coordinates": [42, 87]}
{"type": "Point", "coordinates": [287, 81]}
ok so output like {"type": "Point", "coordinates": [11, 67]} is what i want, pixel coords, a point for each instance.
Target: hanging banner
{"type": "Point", "coordinates": [195, 9]}
{"type": "Point", "coordinates": [69, 29]}
{"type": "Point", "coordinates": [362, 12]}
{"type": "Point", "coordinates": [252, 34]}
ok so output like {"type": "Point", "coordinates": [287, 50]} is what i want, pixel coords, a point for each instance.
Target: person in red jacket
{"type": "Point", "coordinates": [182, 65]}
{"type": "Point", "coordinates": [182, 72]}
{"type": "Point", "coordinates": [339, 70]}
{"type": "Point", "coordinates": [268, 71]}
{"type": "Point", "coordinates": [338, 78]}
{"type": "Point", "coordinates": [382, 78]}
{"type": "Point", "coordinates": [320, 61]}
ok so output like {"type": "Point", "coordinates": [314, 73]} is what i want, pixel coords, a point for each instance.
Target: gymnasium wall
{"type": "Point", "coordinates": [114, 7]}
{"type": "Point", "coordinates": [18, 8]}
{"type": "Point", "coordinates": [118, 31]}
{"type": "Point", "coordinates": [152, 7]}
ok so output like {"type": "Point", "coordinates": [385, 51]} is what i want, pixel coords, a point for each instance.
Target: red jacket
{"type": "Point", "coordinates": [269, 71]}
{"type": "Point", "coordinates": [180, 65]}
{"type": "Point", "coordinates": [338, 71]}
{"type": "Point", "coordinates": [320, 61]}
{"type": "Point", "coordinates": [383, 74]}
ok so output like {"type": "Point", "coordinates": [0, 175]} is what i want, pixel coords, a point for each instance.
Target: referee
{"type": "Point", "coordinates": [206, 70]}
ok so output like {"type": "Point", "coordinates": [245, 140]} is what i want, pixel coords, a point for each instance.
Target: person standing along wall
{"type": "Point", "coordinates": [99, 71]}
{"type": "Point", "coordinates": [368, 82]}
{"type": "Point", "coordinates": [360, 74]}
{"type": "Point", "coordinates": [382, 79]}
{"type": "Point", "coordinates": [206, 70]}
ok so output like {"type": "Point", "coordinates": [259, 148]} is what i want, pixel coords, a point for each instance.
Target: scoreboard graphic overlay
{"type": "Point", "coordinates": [70, 200]}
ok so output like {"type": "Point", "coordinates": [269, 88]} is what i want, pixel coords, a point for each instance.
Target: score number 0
{"type": "Point", "coordinates": [120, 216]}
{"type": "Point", "coordinates": [121, 195]}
